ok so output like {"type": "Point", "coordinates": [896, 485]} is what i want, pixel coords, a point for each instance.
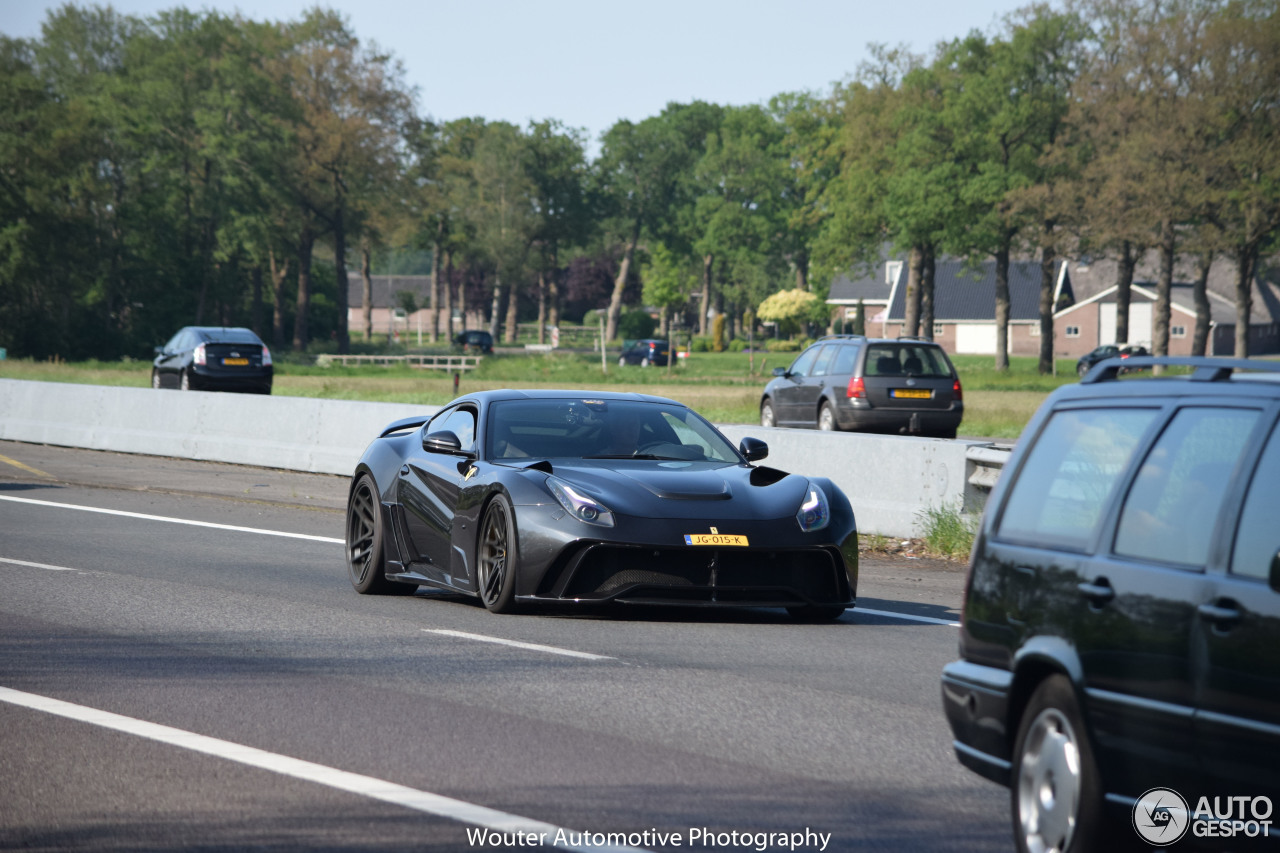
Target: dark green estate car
{"type": "Point", "coordinates": [1119, 661]}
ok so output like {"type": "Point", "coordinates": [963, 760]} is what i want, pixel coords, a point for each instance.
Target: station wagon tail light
{"type": "Point", "coordinates": [198, 355]}
{"type": "Point", "coordinates": [266, 356]}
{"type": "Point", "coordinates": [956, 390]}
{"type": "Point", "coordinates": [857, 390]}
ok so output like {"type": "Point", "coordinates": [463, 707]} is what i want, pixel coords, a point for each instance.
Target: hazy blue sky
{"type": "Point", "coordinates": [589, 64]}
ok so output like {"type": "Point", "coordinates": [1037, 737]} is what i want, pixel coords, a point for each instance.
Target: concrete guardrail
{"type": "Point", "coordinates": [890, 480]}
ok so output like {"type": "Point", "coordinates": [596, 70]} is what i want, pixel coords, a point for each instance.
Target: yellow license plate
{"type": "Point", "coordinates": [716, 539]}
{"type": "Point", "coordinates": [236, 362]}
{"type": "Point", "coordinates": [911, 393]}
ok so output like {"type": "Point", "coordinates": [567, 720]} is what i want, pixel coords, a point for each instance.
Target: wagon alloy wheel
{"type": "Point", "coordinates": [184, 381]}
{"type": "Point", "coordinates": [155, 378]}
{"type": "Point", "coordinates": [496, 560]}
{"type": "Point", "coordinates": [1056, 806]}
{"type": "Point", "coordinates": [826, 418]}
{"type": "Point", "coordinates": [766, 414]}
{"type": "Point", "coordinates": [364, 543]}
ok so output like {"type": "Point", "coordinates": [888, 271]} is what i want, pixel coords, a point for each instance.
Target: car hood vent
{"type": "Point", "coordinates": [687, 485]}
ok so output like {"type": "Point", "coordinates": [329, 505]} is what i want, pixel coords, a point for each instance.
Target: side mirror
{"type": "Point", "coordinates": [442, 442]}
{"type": "Point", "coordinates": [753, 448]}
{"type": "Point", "coordinates": [1274, 580]}
{"type": "Point", "coordinates": [779, 371]}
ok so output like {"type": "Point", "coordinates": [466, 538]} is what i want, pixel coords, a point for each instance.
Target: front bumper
{"type": "Point", "coordinates": [645, 561]}
{"type": "Point", "coordinates": [976, 701]}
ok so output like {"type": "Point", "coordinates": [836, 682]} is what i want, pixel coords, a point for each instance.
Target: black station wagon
{"type": "Point", "coordinates": [1120, 644]}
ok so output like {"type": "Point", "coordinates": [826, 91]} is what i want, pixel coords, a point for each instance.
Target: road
{"type": "Point", "coordinates": [412, 723]}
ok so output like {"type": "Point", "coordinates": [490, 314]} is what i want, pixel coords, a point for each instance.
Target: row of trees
{"type": "Point", "coordinates": [189, 167]}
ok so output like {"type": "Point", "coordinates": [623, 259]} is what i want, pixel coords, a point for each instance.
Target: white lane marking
{"type": "Point", "coordinates": [39, 565]}
{"type": "Point", "coordinates": [366, 786]}
{"type": "Point", "coordinates": [894, 615]}
{"type": "Point", "coordinates": [517, 644]}
{"type": "Point", "coordinates": [186, 521]}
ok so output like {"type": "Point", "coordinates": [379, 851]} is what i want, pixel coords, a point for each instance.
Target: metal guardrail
{"type": "Point", "coordinates": [429, 362]}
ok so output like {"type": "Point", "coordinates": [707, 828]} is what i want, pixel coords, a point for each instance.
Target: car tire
{"type": "Point", "coordinates": [622, 362]}
{"type": "Point", "coordinates": [184, 381]}
{"type": "Point", "coordinates": [365, 542]}
{"type": "Point", "coordinates": [827, 418]}
{"type": "Point", "coordinates": [816, 612]}
{"type": "Point", "coordinates": [155, 378]}
{"type": "Point", "coordinates": [644, 362]}
{"type": "Point", "coordinates": [496, 559]}
{"type": "Point", "coordinates": [766, 414]}
{"type": "Point", "coordinates": [1055, 790]}
{"type": "Point", "coordinates": [1081, 370]}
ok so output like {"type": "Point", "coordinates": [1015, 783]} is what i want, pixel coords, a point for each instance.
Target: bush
{"type": "Point", "coordinates": [782, 346]}
{"type": "Point", "coordinates": [737, 345]}
{"type": "Point", "coordinates": [702, 344]}
{"type": "Point", "coordinates": [636, 324]}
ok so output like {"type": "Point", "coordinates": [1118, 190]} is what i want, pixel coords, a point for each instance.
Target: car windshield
{"type": "Point", "coordinates": [906, 360]}
{"type": "Point", "coordinates": [602, 429]}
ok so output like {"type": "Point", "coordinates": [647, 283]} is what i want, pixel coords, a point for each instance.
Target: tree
{"type": "Point", "coordinates": [790, 309]}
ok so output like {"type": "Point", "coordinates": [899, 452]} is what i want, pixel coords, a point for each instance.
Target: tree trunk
{"type": "Point", "coordinates": [927, 269]}
{"type": "Point", "coordinates": [446, 293]}
{"type": "Point", "coordinates": [1164, 290]}
{"type": "Point", "coordinates": [255, 309]}
{"type": "Point", "coordinates": [1246, 259]}
{"type": "Point", "coordinates": [513, 307]}
{"type": "Point", "coordinates": [278, 274]}
{"type": "Point", "coordinates": [434, 304]}
{"type": "Point", "coordinates": [495, 310]}
{"type": "Point", "coordinates": [1124, 292]}
{"type": "Point", "coordinates": [1200, 294]}
{"type": "Point", "coordinates": [802, 273]}
{"type": "Point", "coordinates": [553, 296]}
{"type": "Point", "coordinates": [1002, 303]}
{"type": "Point", "coordinates": [366, 293]}
{"type": "Point", "coordinates": [340, 267]}
{"type": "Point", "coordinates": [708, 279]}
{"type": "Point", "coordinates": [911, 310]}
{"type": "Point", "coordinates": [306, 241]}
{"type": "Point", "coordinates": [542, 306]}
{"type": "Point", "coordinates": [1048, 280]}
{"type": "Point", "coordinates": [620, 283]}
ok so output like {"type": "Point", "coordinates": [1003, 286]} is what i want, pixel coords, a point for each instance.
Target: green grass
{"type": "Point", "coordinates": [948, 532]}
{"type": "Point", "coordinates": [725, 387]}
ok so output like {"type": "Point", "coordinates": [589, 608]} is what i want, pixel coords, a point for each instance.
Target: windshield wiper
{"type": "Point", "coordinates": [633, 456]}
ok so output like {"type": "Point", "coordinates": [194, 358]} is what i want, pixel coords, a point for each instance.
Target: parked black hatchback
{"type": "Point", "coordinates": [474, 340]}
{"type": "Point", "coordinates": [213, 358]}
{"type": "Point", "coordinates": [1120, 643]}
{"type": "Point", "coordinates": [646, 352]}
{"type": "Point", "coordinates": [905, 385]}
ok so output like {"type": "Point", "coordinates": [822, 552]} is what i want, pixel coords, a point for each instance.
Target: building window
{"type": "Point", "coordinates": [1035, 330]}
{"type": "Point", "coordinates": [892, 269]}
{"type": "Point", "coordinates": [1073, 331]}
{"type": "Point", "coordinates": [937, 330]}
{"type": "Point", "coordinates": [1178, 331]}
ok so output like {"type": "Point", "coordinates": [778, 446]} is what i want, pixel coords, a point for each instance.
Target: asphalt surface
{"type": "Point", "coordinates": [657, 728]}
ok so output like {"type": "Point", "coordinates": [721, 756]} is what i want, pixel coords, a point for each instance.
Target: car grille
{"type": "Point", "coordinates": [698, 575]}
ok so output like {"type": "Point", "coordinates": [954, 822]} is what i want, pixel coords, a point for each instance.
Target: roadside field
{"type": "Point", "coordinates": [723, 386]}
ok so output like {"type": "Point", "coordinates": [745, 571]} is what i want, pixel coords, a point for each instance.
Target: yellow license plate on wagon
{"type": "Point", "coordinates": [236, 362]}
{"type": "Point", "coordinates": [715, 539]}
{"type": "Point", "coordinates": [911, 393]}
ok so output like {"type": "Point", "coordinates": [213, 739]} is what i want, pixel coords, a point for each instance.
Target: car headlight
{"type": "Point", "coordinates": [580, 506]}
{"type": "Point", "coordinates": [814, 512]}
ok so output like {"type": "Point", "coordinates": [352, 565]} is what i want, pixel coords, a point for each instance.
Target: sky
{"type": "Point", "coordinates": [589, 64]}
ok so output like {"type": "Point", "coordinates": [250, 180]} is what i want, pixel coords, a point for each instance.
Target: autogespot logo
{"type": "Point", "coordinates": [1161, 816]}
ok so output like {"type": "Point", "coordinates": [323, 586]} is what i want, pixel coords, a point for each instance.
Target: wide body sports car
{"type": "Point", "coordinates": [519, 497]}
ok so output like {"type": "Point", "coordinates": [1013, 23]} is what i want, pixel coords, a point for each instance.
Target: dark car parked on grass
{"type": "Point", "coordinates": [903, 385]}
{"type": "Point", "coordinates": [1104, 352]}
{"type": "Point", "coordinates": [590, 497]}
{"type": "Point", "coordinates": [213, 358]}
{"type": "Point", "coordinates": [646, 352]}
{"type": "Point", "coordinates": [1120, 639]}
{"type": "Point", "coordinates": [474, 340]}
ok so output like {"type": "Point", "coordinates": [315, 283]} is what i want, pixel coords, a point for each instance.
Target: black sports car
{"type": "Point", "coordinates": [571, 496]}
